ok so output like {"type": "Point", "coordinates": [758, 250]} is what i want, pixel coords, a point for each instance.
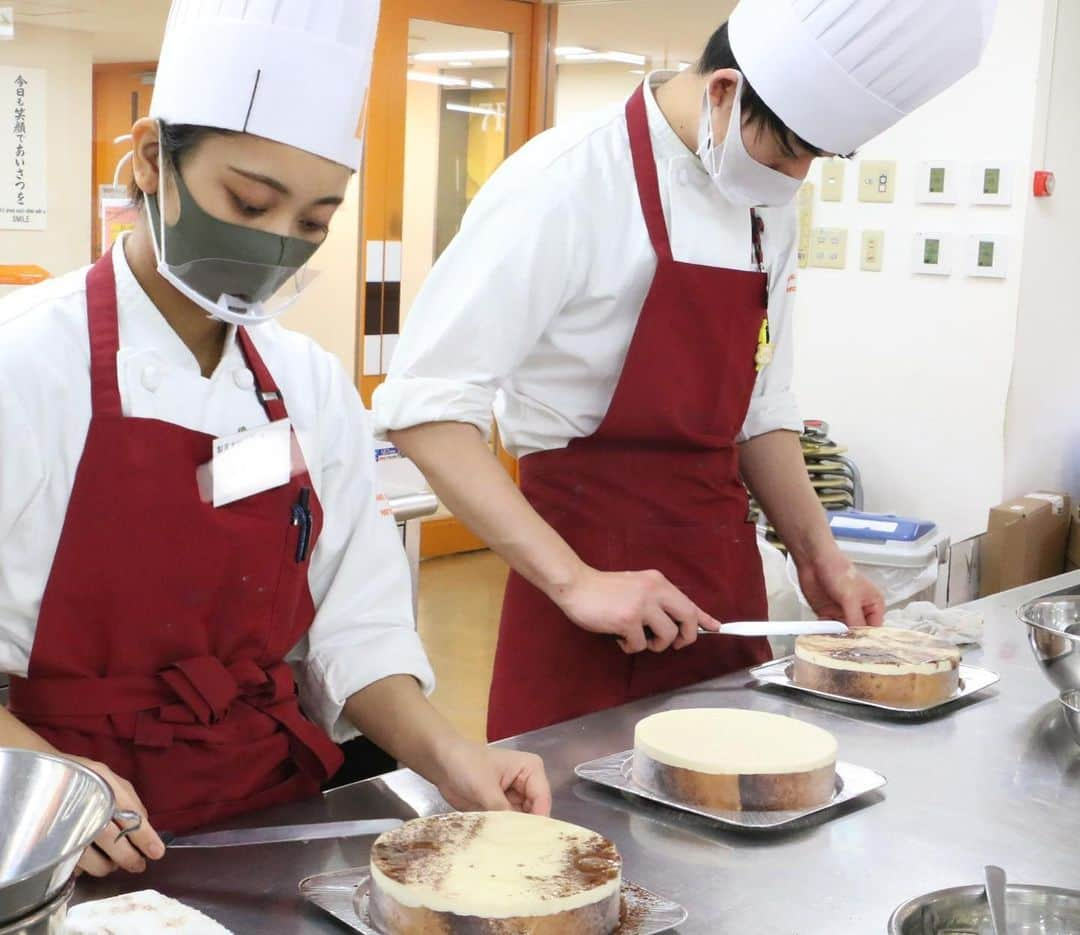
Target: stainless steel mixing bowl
{"type": "Point", "coordinates": [1054, 636]}
{"type": "Point", "coordinates": [1070, 703]}
{"type": "Point", "coordinates": [50, 919]}
{"type": "Point", "coordinates": [1031, 910]}
{"type": "Point", "coordinates": [51, 809]}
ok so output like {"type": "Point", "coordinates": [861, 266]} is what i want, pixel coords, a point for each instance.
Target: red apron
{"type": "Point", "coordinates": [165, 623]}
{"type": "Point", "coordinates": [656, 486]}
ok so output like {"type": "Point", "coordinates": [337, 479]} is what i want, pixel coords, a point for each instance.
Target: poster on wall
{"type": "Point", "coordinates": [23, 193]}
{"type": "Point", "coordinates": [118, 214]}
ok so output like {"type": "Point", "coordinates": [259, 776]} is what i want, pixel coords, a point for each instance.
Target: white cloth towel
{"type": "Point", "coordinates": [137, 914]}
{"type": "Point", "coordinates": [955, 625]}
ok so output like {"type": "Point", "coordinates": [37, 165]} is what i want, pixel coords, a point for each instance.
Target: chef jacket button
{"type": "Point", "coordinates": [244, 378]}
{"type": "Point", "coordinates": [151, 378]}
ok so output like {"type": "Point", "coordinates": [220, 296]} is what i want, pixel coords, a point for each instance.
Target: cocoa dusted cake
{"type": "Point", "coordinates": [728, 759]}
{"type": "Point", "coordinates": [886, 665]}
{"type": "Point", "coordinates": [494, 873]}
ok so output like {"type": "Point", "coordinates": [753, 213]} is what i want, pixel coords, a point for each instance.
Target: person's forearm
{"type": "Point", "coordinates": [775, 471]}
{"type": "Point", "coordinates": [472, 483]}
{"type": "Point", "coordinates": [395, 715]}
{"type": "Point", "coordinates": [14, 733]}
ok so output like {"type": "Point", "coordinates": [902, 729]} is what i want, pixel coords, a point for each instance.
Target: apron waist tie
{"type": "Point", "coordinates": [197, 691]}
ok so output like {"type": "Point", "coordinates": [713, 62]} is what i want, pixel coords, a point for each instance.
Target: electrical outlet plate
{"type": "Point", "coordinates": [832, 179]}
{"type": "Point", "coordinates": [806, 222]}
{"type": "Point", "coordinates": [992, 183]}
{"type": "Point", "coordinates": [931, 254]}
{"type": "Point", "coordinates": [938, 183]}
{"type": "Point", "coordinates": [987, 256]}
{"type": "Point", "coordinates": [873, 250]}
{"type": "Point", "coordinates": [828, 248]}
{"type": "Point", "coordinates": [877, 181]}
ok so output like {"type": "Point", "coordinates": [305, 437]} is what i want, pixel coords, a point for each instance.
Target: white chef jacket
{"type": "Point", "coordinates": [531, 309]}
{"type": "Point", "coordinates": [358, 574]}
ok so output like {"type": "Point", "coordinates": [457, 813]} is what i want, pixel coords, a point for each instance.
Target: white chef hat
{"type": "Point", "coordinates": [839, 72]}
{"type": "Point", "coordinates": [293, 71]}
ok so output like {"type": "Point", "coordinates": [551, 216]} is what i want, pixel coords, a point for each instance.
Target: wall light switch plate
{"type": "Point", "coordinates": [873, 249]}
{"type": "Point", "coordinates": [931, 254]}
{"type": "Point", "coordinates": [832, 179]}
{"type": "Point", "coordinates": [877, 181]}
{"type": "Point", "coordinates": [828, 248]}
{"type": "Point", "coordinates": [938, 183]}
{"type": "Point", "coordinates": [987, 256]}
{"type": "Point", "coordinates": [992, 183]}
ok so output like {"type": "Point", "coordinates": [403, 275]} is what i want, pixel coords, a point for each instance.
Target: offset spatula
{"type": "Point", "coordinates": [777, 628]}
{"type": "Point", "coordinates": [283, 833]}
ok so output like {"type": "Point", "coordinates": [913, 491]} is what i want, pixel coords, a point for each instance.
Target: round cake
{"type": "Point", "coordinates": [494, 873]}
{"type": "Point", "coordinates": [899, 668]}
{"type": "Point", "coordinates": [727, 759]}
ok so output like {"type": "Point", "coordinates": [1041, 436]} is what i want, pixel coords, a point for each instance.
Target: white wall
{"type": "Point", "coordinates": [582, 89]}
{"type": "Point", "coordinates": [1043, 423]}
{"type": "Point", "coordinates": [66, 55]}
{"type": "Point", "coordinates": [912, 372]}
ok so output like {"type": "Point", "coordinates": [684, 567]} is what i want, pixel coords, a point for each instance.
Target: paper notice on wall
{"type": "Point", "coordinates": [118, 214]}
{"type": "Point", "coordinates": [23, 193]}
{"type": "Point", "coordinates": [7, 22]}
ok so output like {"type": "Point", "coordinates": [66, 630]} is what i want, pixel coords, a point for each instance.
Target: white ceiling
{"type": "Point", "coordinates": [664, 30]}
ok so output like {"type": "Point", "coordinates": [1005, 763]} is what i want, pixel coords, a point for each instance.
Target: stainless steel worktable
{"type": "Point", "coordinates": [994, 781]}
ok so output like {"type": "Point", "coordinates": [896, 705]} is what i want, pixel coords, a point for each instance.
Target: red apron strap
{"type": "Point", "coordinates": [648, 182]}
{"type": "Point", "coordinates": [104, 337]}
{"type": "Point", "coordinates": [265, 387]}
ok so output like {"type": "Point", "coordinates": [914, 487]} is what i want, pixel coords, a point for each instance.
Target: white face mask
{"type": "Point", "coordinates": [740, 178]}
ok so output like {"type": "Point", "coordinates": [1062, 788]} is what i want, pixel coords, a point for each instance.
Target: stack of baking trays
{"type": "Point", "coordinates": [833, 474]}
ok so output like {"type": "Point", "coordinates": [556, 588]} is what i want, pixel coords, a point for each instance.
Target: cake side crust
{"type": "Point", "coordinates": [392, 918]}
{"type": "Point", "coordinates": [912, 690]}
{"type": "Point", "coordinates": [732, 793]}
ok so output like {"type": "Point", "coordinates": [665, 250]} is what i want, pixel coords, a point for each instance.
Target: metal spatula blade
{"type": "Point", "coordinates": [778, 628]}
{"type": "Point", "coordinates": [283, 833]}
{"type": "Point", "coordinates": [995, 896]}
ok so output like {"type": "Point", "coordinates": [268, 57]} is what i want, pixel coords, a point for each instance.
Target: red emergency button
{"type": "Point", "coordinates": [1044, 184]}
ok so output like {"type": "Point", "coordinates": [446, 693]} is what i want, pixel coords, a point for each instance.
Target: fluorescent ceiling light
{"type": "Point", "coordinates": [480, 55]}
{"type": "Point", "coordinates": [637, 71]}
{"type": "Point", "coordinates": [684, 65]}
{"type": "Point", "coordinates": [481, 85]}
{"type": "Point", "coordinates": [573, 50]}
{"type": "Point", "coordinates": [460, 64]}
{"type": "Point", "coordinates": [446, 81]}
{"type": "Point", "coordinates": [624, 58]}
{"type": "Point", "coordinates": [479, 111]}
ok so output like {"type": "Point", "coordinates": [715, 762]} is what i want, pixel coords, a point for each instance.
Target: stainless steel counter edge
{"type": "Point", "coordinates": [994, 780]}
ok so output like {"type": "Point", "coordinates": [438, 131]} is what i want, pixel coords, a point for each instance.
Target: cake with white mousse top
{"type": "Point", "coordinates": [728, 759]}
{"type": "Point", "coordinates": [494, 873]}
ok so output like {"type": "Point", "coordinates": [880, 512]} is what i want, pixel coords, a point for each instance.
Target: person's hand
{"type": "Point", "coordinates": [107, 853]}
{"type": "Point", "coordinates": [474, 777]}
{"type": "Point", "coordinates": [836, 591]}
{"type": "Point", "coordinates": [642, 609]}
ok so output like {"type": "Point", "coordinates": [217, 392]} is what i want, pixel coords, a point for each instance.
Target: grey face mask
{"type": "Point", "coordinates": [228, 269]}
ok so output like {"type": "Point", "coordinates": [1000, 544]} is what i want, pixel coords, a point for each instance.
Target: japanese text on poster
{"type": "Point", "coordinates": [23, 194]}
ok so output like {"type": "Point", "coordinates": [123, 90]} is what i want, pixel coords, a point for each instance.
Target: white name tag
{"type": "Point", "coordinates": [248, 463]}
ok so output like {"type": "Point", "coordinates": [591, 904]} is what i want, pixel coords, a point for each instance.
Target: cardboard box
{"type": "Point", "coordinates": [1072, 553]}
{"type": "Point", "coordinates": [1025, 541]}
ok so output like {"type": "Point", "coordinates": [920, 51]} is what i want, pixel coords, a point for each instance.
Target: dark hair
{"type": "Point", "coordinates": [717, 55]}
{"type": "Point", "coordinates": [177, 142]}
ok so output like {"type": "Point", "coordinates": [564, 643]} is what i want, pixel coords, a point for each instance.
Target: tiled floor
{"type": "Point", "coordinates": [460, 600]}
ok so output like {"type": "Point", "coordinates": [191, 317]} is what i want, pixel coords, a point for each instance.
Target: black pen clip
{"type": "Point", "coordinates": [301, 517]}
